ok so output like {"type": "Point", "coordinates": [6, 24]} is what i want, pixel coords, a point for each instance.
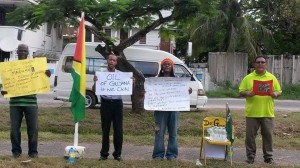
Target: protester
{"type": "Point", "coordinates": [260, 88]}
{"type": "Point", "coordinates": [111, 111]}
{"type": "Point", "coordinates": [24, 106]}
{"type": "Point", "coordinates": [166, 119]}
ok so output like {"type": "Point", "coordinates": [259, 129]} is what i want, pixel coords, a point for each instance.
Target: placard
{"type": "Point", "coordinates": [214, 151]}
{"type": "Point", "coordinates": [262, 88]}
{"type": "Point", "coordinates": [114, 83]}
{"type": "Point", "coordinates": [24, 77]}
{"type": "Point", "coordinates": [167, 94]}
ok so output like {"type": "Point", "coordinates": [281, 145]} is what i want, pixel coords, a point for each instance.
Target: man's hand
{"type": "Point", "coordinates": [95, 78]}
{"type": "Point", "coordinates": [190, 90]}
{"type": "Point", "coordinates": [3, 92]}
{"type": "Point", "coordinates": [275, 94]}
{"type": "Point", "coordinates": [133, 81]}
{"type": "Point", "coordinates": [48, 73]}
{"type": "Point", "coordinates": [247, 93]}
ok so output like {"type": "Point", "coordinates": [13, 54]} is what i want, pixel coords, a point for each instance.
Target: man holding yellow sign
{"type": "Point", "coordinates": [23, 103]}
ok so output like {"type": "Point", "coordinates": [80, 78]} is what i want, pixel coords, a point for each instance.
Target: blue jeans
{"type": "Point", "coordinates": [31, 116]}
{"type": "Point", "coordinates": [163, 120]}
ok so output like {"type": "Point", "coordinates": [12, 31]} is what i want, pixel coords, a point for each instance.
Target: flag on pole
{"type": "Point", "coordinates": [229, 128]}
{"type": "Point", "coordinates": [77, 96]}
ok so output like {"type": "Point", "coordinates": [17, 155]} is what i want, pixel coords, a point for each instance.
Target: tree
{"type": "Point", "coordinates": [282, 17]}
{"type": "Point", "coordinates": [231, 30]}
{"type": "Point", "coordinates": [120, 14]}
{"type": "Point", "coordinates": [184, 31]}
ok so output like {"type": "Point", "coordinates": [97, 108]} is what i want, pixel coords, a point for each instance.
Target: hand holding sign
{"type": "Point", "coordinates": [24, 77]}
{"type": "Point", "coordinates": [3, 92]}
{"type": "Point", "coordinates": [113, 83]}
{"type": "Point", "coordinates": [167, 94]}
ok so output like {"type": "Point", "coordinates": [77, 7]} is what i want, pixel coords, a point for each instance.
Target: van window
{"type": "Point", "coordinates": [67, 66]}
{"type": "Point", "coordinates": [149, 69]}
{"type": "Point", "coordinates": [92, 64]}
{"type": "Point", "coordinates": [181, 71]}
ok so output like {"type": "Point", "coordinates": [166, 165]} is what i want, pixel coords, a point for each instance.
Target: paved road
{"type": "Point", "coordinates": [280, 105]}
{"type": "Point", "coordinates": [133, 152]}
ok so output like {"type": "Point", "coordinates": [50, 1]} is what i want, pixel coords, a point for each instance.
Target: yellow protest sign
{"type": "Point", "coordinates": [24, 77]}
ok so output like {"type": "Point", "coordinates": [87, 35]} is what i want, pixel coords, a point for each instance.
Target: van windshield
{"type": "Point", "coordinates": [92, 64]}
{"type": "Point", "coordinates": [181, 71]}
{"type": "Point", "coordinates": [149, 69]}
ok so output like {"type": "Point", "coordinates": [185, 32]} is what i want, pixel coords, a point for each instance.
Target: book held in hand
{"type": "Point", "coordinates": [263, 88]}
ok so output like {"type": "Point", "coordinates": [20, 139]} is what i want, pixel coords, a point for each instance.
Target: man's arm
{"type": "Point", "coordinates": [3, 92]}
{"type": "Point", "coordinates": [275, 94]}
{"type": "Point", "coordinates": [48, 73]}
{"type": "Point", "coordinates": [94, 85]}
{"type": "Point", "coordinates": [247, 94]}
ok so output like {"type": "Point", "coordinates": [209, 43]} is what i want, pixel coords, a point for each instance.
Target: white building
{"type": "Point", "coordinates": [152, 39]}
{"type": "Point", "coordinates": [46, 39]}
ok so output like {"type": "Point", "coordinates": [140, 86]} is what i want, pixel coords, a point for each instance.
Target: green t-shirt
{"type": "Point", "coordinates": [29, 100]}
{"type": "Point", "coordinates": [259, 106]}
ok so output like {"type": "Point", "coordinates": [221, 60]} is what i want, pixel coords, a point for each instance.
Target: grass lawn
{"type": "Point", "coordinates": [56, 124]}
{"type": "Point", "coordinates": [52, 162]}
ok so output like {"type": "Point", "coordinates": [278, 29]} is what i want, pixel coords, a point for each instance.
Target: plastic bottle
{"type": "Point", "coordinates": [219, 133]}
{"type": "Point", "coordinates": [214, 133]}
{"type": "Point", "coordinates": [72, 156]}
{"type": "Point", "coordinates": [224, 134]}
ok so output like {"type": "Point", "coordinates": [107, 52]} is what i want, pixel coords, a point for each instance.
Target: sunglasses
{"type": "Point", "coordinates": [167, 64]}
{"type": "Point", "coordinates": [260, 62]}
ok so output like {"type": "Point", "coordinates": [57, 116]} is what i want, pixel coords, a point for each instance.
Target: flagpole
{"type": "Point", "coordinates": [226, 147]}
{"type": "Point", "coordinates": [226, 110]}
{"type": "Point", "coordinates": [78, 94]}
{"type": "Point", "coordinates": [76, 135]}
{"type": "Point", "coordinates": [77, 123]}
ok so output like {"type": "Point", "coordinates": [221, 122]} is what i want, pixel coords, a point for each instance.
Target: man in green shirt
{"type": "Point", "coordinates": [20, 106]}
{"type": "Point", "coordinates": [260, 88]}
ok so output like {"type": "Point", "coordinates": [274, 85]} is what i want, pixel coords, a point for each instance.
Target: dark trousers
{"type": "Point", "coordinates": [266, 124]}
{"type": "Point", "coordinates": [31, 116]}
{"type": "Point", "coordinates": [111, 111]}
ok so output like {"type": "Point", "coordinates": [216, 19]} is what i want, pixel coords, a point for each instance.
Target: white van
{"type": "Point", "coordinates": [146, 61]}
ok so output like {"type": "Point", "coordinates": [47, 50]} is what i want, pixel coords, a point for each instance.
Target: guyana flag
{"type": "Point", "coordinates": [229, 128]}
{"type": "Point", "coordinates": [77, 96]}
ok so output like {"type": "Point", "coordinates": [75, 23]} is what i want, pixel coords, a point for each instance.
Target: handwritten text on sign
{"type": "Point", "coordinates": [114, 83]}
{"type": "Point", "coordinates": [167, 94]}
{"type": "Point", "coordinates": [24, 77]}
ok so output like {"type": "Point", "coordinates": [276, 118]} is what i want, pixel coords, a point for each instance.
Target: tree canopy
{"type": "Point", "coordinates": [119, 14]}
{"type": "Point", "coordinates": [230, 30]}
{"type": "Point", "coordinates": [282, 17]}
{"type": "Point", "coordinates": [125, 14]}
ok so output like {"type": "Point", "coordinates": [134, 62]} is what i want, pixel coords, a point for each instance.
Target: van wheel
{"type": "Point", "coordinates": [90, 100]}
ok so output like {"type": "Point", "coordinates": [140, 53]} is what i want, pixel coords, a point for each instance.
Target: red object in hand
{"type": "Point", "coordinates": [263, 88]}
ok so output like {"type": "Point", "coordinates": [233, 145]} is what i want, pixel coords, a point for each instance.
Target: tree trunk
{"type": "Point", "coordinates": [138, 94]}
{"type": "Point", "coordinates": [138, 90]}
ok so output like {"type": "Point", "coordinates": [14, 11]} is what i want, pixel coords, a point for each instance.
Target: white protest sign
{"type": "Point", "coordinates": [114, 83]}
{"type": "Point", "coordinates": [167, 94]}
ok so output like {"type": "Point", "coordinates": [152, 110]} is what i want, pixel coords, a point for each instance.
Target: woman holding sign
{"type": "Point", "coordinates": [166, 119]}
